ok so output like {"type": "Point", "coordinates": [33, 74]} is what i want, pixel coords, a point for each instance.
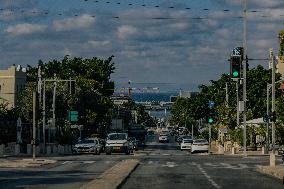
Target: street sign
{"type": "Point", "coordinates": [73, 115]}
{"type": "Point", "coordinates": [211, 104]}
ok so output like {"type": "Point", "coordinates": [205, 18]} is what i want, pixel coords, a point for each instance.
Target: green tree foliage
{"type": "Point", "coordinates": [92, 92]}
{"type": "Point", "coordinates": [281, 38]}
{"type": "Point", "coordinates": [196, 107]}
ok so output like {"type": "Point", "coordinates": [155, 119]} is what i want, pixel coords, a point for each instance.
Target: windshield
{"type": "Point", "coordinates": [118, 136]}
{"type": "Point", "coordinates": [187, 141]}
{"type": "Point", "coordinates": [86, 141]}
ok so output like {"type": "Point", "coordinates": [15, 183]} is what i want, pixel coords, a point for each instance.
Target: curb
{"type": "Point", "coordinates": [274, 173]}
{"type": "Point", "coordinates": [114, 177]}
{"type": "Point", "coordinates": [126, 177]}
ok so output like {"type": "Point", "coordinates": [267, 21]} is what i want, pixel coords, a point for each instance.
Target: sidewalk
{"type": "Point", "coordinates": [276, 171]}
{"type": "Point", "coordinates": [23, 163]}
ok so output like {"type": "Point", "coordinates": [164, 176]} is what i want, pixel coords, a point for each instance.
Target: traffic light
{"type": "Point", "coordinates": [236, 65]}
{"type": "Point", "coordinates": [265, 118]}
{"type": "Point", "coordinates": [272, 116]}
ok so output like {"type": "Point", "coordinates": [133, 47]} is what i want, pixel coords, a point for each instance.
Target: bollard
{"type": "Point", "coordinates": [29, 149]}
{"type": "Point", "coordinates": [234, 150]}
{"type": "Point", "coordinates": [272, 160]}
{"type": "Point", "coordinates": [263, 150]}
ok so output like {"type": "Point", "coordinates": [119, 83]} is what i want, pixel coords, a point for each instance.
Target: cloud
{"type": "Point", "coordinates": [24, 29]}
{"type": "Point", "coordinates": [68, 24]}
{"type": "Point", "coordinates": [126, 31]}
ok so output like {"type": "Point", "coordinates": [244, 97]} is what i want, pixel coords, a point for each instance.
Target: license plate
{"type": "Point", "coordinates": [116, 148]}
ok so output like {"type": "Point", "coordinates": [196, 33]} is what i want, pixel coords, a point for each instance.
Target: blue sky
{"type": "Point", "coordinates": [179, 51]}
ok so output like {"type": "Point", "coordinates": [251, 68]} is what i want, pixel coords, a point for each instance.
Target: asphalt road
{"type": "Point", "coordinates": [162, 166]}
{"type": "Point", "coordinates": [165, 167]}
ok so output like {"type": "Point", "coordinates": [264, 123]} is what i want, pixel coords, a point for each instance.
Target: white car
{"type": "Point", "coordinates": [200, 145]}
{"type": "Point", "coordinates": [88, 145]}
{"type": "Point", "coordinates": [117, 142]}
{"type": "Point", "coordinates": [186, 144]}
{"type": "Point", "coordinates": [163, 138]}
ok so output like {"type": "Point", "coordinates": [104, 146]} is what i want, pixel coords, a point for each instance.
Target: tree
{"type": "Point", "coordinates": [92, 92]}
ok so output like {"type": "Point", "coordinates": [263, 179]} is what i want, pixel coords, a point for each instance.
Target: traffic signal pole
{"type": "Point", "coordinates": [245, 78]}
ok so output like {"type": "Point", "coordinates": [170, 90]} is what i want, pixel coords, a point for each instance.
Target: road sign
{"type": "Point", "coordinates": [211, 104]}
{"type": "Point", "coordinates": [73, 115]}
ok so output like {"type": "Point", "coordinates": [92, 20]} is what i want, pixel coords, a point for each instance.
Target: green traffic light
{"type": "Point", "coordinates": [210, 120]}
{"type": "Point", "coordinates": [235, 74]}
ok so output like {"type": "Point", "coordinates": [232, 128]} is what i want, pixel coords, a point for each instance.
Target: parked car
{"type": "Point", "coordinates": [88, 145]}
{"type": "Point", "coordinates": [117, 142]}
{"type": "Point", "coordinates": [200, 145]}
{"type": "Point", "coordinates": [163, 138]}
{"type": "Point", "coordinates": [186, 144]}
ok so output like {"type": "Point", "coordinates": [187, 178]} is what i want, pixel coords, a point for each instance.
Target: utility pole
{"type": "Point", "coordinates": [43, 117]}
{"type": "Point", "coordinates": [53, 103]}
{"type": "Point", "coordinates": [273, 98]}
{"type": "Point", "coordinates": [267, 121]}
{"type": "Point", "coordinates": [227, 96]}
{"type": "Point", "coordinates": [39, 84]}
{"type": "Point", "coordinates": [34, 124]}
{"type": "Point", "coordinates": [245, 78]}
{"type": "Point", "coordinates": [209, 138]}
{"type": "Point", "coordinates": [192, 131]}
{"type": "Point", "coordinates": [238, 112]}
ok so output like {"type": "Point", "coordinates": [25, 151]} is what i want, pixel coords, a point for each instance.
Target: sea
{"type": "Point", "coordinates": [156, 97]}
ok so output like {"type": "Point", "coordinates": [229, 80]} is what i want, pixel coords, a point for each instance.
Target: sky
{"type": "Point", "coordinates": [170, 44]}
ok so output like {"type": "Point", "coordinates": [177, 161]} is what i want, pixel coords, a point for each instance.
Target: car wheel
{"type": "Point", "coordinates": [98, 152]}
{"type": "Point", "coordinates": [127, 152]}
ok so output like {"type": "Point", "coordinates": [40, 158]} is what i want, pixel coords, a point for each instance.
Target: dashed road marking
{"type": "Point", "coordinates": [213, 183]}
{"type": "Point", "coordinates": [170, 164]}
{"type": "Point", "coordinates": [77, 162]}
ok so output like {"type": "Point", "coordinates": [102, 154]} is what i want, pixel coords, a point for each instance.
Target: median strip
{"type": "Point", "coordinates": [114, 177]}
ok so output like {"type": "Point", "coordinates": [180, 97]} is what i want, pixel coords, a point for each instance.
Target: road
{"type": "Point", "coordinates": [162, 166]}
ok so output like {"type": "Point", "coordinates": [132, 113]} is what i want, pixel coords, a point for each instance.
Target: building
{"type": "Point", "coordinates": [279, 66]}
{"type": "Point", "coordinates": [187, 94]}
{"type": "Point", "coordinates": [12, 82]}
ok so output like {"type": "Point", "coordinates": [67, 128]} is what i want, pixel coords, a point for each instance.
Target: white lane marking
{"type": "Point", "coordinates": [72, 162]}
{"type": "Point", "coordinates": [211, 164]}
{"type": "Point", "coordinates": [166, 154]}
{"type": "Point", "coordinates": [170, 164]}
{"type": "Point", "coordinates": [207, 176]}
{"type": "Point", "coordinates": [150, 162]}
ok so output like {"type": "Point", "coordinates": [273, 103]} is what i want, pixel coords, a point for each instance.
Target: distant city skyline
{"type": "Point", "coordinates": [174, 44]}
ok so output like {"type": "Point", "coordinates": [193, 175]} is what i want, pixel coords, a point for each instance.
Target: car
{"type": "Point", "coordinates": [186, 144]}
{"type": "Point", "coordinates": [118, 142]}
{"type": "Point", "coordinates": [181, 137]}
{"type": "Point", "coordinates": [163, 138]}
{"type": "Point", "coordinates": [88, 145]}
{"type": "Point", "coordinates": [200, 145]}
